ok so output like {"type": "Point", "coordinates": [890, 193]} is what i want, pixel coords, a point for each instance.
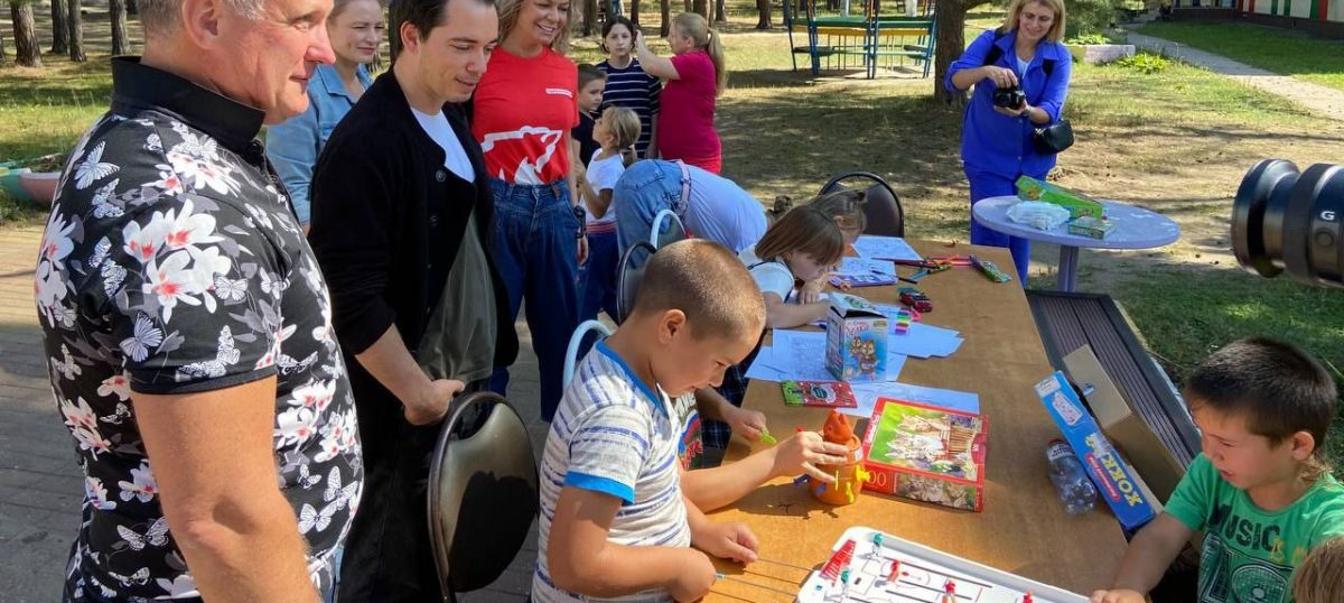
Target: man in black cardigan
{"type": "Point", "coordinates": [401, 228]}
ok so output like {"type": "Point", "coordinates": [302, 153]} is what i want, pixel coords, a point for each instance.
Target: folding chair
{"type": "Point", "coordinates": [483, 492]}
{"type": "Point", "coordinates": [883, 209]}
{"type": "Point", "coordinates": [667, 228]}
{"type": "Point", "coordinates": [576, 342]}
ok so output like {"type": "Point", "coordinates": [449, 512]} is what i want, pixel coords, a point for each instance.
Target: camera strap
{"type": "Point", "coordinates": [995, 53]}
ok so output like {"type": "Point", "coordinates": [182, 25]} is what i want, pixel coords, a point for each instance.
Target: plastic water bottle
{"type": "Point", "coordinates": [1071, 482]}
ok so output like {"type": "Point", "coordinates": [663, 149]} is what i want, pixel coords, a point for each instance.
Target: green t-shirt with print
{"type": "Point", "coordinates": [1249, 553]}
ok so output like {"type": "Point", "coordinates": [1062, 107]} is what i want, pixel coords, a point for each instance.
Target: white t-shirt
{"type": "Point", "coordinates": [603, 174]}
{"type": "Point", "coordinates": [771, 276]}
{"type": "Point", "coordinates": [615, 436]}
{"type": "Point", "coordinates": [1022, 66]}
{"type": "Point", "coordinates": [454, 155]}
{"type": "Point", "coordinates": [719, 210]}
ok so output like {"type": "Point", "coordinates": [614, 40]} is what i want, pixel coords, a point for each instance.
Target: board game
{"type": "Point", "coordinates": [860, 571]}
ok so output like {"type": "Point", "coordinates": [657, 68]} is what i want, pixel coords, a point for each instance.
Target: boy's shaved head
{"type": "Point", "coordinates": [708, 283]}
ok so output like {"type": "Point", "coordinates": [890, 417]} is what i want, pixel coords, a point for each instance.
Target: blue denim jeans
{"type": "Point", "coordinates": [597, 278]}
{"type": "Point", "coordinates": [536, 253]}
{"type": "Point", "coordinates": [983, 186]}
{"type": "Point", "coordinates": [646, 188]}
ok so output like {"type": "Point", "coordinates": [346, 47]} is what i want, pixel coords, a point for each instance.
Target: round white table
{"type": "Point", "coordinates": [1135, 228]}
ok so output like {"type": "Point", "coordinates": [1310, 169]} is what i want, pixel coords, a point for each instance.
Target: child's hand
{"type": "Point", "coordinates": [696, 576]}
{"type": "Point", "coordinates": [811, 291]}
{"type": "Point", "coordinates": [1119, 595]}
{"type": "Point", "coordinates": [749, 423]}
{"type": "Point", "coordinates": [726, 541]}
{"type": "Point", "coordinates": [804, 451]}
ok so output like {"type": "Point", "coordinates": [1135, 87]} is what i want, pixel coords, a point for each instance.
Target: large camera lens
{"type": "Point", "coordinates": [1286, 220]}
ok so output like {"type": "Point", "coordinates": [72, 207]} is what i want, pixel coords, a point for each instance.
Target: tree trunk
{"type": "Point", "coordinates": [634, 12]}
{"type": "Point", "coordinates": [75, 24]}
{"type": "Point", "coordinates": [60, 36]}
{"type": "Point", "coordinates": [666, 27]}
{"type": "Point", "coordinates": [132, 8]}
{"type": "Point", "coordinates": [121, 43]}
{"type": "Point", "coordinates": [720, 14]}
{"type": "Point", "coordinates": [685, 6]}
{"type": "Point", "coordinates": [701, 7]}
{"type": "Point", "coordinates": [2, 47]}
{"type": "Point", "coordinates": [27, 49]}
{"type": "Point", "coordinates": [590, 16]}
{"type": "Point", "coordinates": [949, 44]}
{"type": "Point", "coordinates": [763, 10]}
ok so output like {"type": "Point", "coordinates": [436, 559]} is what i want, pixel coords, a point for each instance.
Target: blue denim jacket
{"type": "Point", "coordinates": [994, 142]}
{"type": "Point", "coordinates": [294, 144]}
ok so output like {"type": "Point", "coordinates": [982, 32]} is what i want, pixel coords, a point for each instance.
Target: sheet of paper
{"type": "Point", "coordinates": [867, 394]}
{"type": "Point", "coordinates": [925, 341]}
{"type": "Point", "coordinates": [885, 248]}
{"type": "Point", "coordinates": [801, 356]}
{"type": "Point", "coordinates": [858, 266]}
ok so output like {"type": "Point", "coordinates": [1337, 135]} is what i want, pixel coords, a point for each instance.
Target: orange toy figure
{"type": "Point", "coordinates": [850, 476]}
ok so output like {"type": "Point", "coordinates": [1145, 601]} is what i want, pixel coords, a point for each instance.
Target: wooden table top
{"type": "Point", "coordinates": [1023, 528]}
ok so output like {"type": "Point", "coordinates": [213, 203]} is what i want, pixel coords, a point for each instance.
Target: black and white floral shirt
{"type": "Point", "coordinates": [172, 264]}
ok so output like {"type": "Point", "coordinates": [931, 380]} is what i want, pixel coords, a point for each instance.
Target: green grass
{"type": "Point", "coordinates": [1278, 50]}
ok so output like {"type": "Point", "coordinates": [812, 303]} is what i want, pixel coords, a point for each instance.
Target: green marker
{"type": "Point", "coordinates": [767, 438]}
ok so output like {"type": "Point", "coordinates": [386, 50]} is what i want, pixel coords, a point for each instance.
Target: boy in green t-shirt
{"type": "Point", "coordinates": [1260, 490]}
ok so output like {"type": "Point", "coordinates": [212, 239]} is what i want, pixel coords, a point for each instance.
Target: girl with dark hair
{"type": "Point", "coordinates": [628, 85]}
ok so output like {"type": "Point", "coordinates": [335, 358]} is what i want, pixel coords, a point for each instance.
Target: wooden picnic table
{"type": "Point", "coordinates": [1023, 528]}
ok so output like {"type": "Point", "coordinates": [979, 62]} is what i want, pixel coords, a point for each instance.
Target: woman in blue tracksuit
{"type": "Point", "coordinates": [996, 143]}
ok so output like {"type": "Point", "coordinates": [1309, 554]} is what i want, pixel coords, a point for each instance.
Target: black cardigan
{"type": "Point", "coordinates": [378, 182]}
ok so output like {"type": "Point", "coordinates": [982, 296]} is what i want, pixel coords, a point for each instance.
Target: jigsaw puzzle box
{"type": "Point", "coordinates": [925, 453]}
{"type": "Point", "coordinates": [1116, 481]}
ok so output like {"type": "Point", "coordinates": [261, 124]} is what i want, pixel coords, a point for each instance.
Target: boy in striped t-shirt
{"type": "Point", "coordinates": [614, 523]}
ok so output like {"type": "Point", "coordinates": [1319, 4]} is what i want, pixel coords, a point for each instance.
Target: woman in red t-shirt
{"type": "Point", "coordinates": [523, 110]}
{"type": "Point", "coordinates": [695, 77]}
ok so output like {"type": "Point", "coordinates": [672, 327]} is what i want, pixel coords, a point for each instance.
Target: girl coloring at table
{"type": "Point", "coordinates": [695, 75]}
{"type": "Point", "coordinates": [801, 247]}
{"type": "Point", "coordinates": [628, 85]}
{"type": "Point", "coordinates": [616, 131]}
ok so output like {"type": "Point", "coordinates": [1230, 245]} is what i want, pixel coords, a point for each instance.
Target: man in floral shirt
{"type": "Point", "coordinates": [188, 328]}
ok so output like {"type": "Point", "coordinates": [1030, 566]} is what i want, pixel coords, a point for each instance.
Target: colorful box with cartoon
{"type": "Point", "coordinates": [1115, 479]}
{"type": "Point", "coordinates": [856, 339]}
{"type": "Point", "coordinates": [926, 453]}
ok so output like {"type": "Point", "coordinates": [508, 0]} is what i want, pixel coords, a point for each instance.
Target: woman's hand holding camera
{"type": "Point", "coordinates": [1002, 77]}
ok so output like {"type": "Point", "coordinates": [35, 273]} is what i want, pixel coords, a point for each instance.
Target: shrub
{"type": "Point", "coordinates": [1092, 38]}
{"type": "Point", "coordinates": [1145, 62]}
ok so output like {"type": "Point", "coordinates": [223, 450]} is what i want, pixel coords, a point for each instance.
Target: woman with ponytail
{"type": "Point", "coordinates": [617, 131]}
{"type": "Point", "coordinates": [695, 75]}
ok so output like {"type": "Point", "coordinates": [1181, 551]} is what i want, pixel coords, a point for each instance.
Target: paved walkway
{"type": "Point", "coordinates": [40, 484]}
{"type": "Point", "coordinates": [1324, 100]}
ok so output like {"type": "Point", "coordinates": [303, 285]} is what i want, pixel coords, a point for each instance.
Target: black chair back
{"type": "Point", "coordinates": [627, 280]}
{"type": "Point", "coordinates": [483, 492]}
{"type": "Point", "coordinates": [883, 210]}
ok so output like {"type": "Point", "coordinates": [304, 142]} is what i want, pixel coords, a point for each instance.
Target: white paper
{"type": "Point", "coordinates": [925, 341]}
{"type": "Point", "coordinates": [850, 266]}
{"type": "Point", "coordinates": [801, 356]}
{"type": "Point", "coordinates": [885, 248]}
{"type": "Point", "coordinates": [867, 394]}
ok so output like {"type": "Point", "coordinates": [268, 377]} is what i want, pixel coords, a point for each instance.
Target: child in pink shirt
{"type": "Point", "coordinates": [695, 77]}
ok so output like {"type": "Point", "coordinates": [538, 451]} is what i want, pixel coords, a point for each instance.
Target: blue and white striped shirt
{"type": "Point", "coordinates": [632, 87]}
{"type": "Point", "coordinates": [612, 434]}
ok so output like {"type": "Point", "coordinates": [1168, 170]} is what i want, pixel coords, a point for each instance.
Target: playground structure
{"type": "Point", "coordinates": [871, 40]}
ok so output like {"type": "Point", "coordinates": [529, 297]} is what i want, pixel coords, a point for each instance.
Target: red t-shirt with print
{"type": "Point", "coordinates": [522, 112]}
{"type": "Point", "coordinates": [686, 124]}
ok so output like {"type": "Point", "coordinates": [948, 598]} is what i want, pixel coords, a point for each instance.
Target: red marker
{"type": "Point", "coordinates": [1027, 598]}
{"type": "Point", "coordinates": [951, 589]}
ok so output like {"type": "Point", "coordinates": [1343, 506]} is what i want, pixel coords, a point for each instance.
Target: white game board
{"type": "Point", "coordinates": [924, 572]}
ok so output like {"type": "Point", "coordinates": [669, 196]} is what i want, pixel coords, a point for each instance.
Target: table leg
{"type": "Point", "coordinates": [1068, 268]}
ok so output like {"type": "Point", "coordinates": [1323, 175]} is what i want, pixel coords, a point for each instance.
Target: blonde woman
{"type": "Point", "coordinates": [996, 142]}
{"type": "Point", "coordinates": [695, 75]}
{"type": "Point", "coordinates": [524, 108]}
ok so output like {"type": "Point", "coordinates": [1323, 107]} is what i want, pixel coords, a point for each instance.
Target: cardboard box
{"type": "Point", "coordinates": [1077, 203]}
{"type": "Point", "coordinates": [856, 339]}
{"type": "Point", "coordinates": [926, 453]}
{"type": "Point", "coordinates": [1093, 228]}
{"type": "Point", "coordinates": [1125, 428]}
{"type": "Point", "coordinates": [1116, 481]}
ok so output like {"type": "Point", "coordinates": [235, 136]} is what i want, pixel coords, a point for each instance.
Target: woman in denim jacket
{"type": "Point", "coordinates": [356, 30]}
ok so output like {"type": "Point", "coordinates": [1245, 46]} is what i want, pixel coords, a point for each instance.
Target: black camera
{"type": "Point", "coordinates": [1010, 98]}
{"type": "Point", "coordinates": [1286, 220]}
